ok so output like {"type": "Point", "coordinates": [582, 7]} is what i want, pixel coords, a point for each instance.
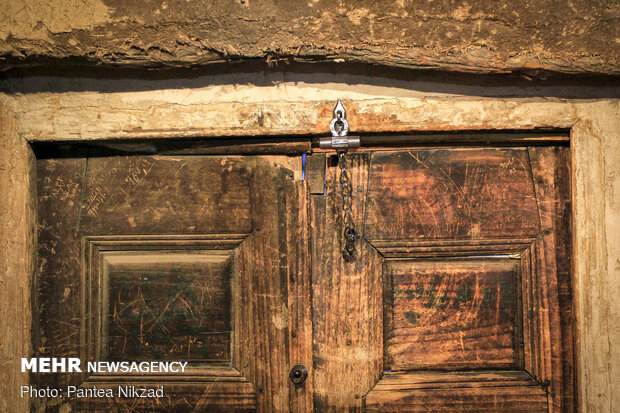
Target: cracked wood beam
{"type": "Point", "coordinates": [571, 37]}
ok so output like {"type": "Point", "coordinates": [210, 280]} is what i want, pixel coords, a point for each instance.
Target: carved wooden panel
{"type": "Point", "coordinates": [167, 306]}
{"type": "Point", "coordinates": [452, 314]}
{"type": "Point", "coordinates": [210, 389]}
{"type": "Point", "coordinates": [493, 391]}
{"type": "Point", "coordinates": [451, 194]}
{"type": "Point", "coordinates": [160, 297]}
{"type": "Point", "coordinates": [476, 277]}
{"type": "Point", "coordinates": [172, 258]}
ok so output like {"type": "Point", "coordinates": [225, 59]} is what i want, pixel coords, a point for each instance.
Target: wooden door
{"type": "Point", "coordinates": [203, 259]}
{"type": "Point", "coordinates": [460, 299]}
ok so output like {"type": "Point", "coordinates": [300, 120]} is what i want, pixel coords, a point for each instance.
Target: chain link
{"type": "Point", "coordinates": [349, 253]}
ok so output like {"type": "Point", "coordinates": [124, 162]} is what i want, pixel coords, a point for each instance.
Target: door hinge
{"type": "Point", "coordinates": [339, 126]}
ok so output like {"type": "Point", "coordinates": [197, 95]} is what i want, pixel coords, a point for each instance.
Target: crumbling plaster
{"type": "Point", "coordinates": [82, 109]}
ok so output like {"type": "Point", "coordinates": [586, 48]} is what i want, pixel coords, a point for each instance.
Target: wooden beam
{"type": "Point", "coordinates": [476, 37]}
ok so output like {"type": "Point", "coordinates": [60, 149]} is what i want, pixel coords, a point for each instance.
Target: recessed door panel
{"type": "Point", "coordinates": [452, 314]}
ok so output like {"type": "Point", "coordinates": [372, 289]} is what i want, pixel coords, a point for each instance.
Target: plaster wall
{"type": "Point", "coordinates": [38, 109]}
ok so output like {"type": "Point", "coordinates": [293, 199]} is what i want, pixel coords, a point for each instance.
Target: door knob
{"type": "Point", "coordinates": [298, 374]}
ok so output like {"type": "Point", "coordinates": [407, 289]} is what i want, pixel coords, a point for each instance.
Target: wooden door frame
{"type": "Point", "coordinates": [594, 136]}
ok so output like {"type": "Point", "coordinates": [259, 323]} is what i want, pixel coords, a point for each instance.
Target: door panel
{"type": "Point", "coordinates": [451, 194]}
{"type": "Point", "coordinates": [468, 391]}
{"type": "Point", "coordinates": [471, 279]}
{"type": "Point", "coordinates": [452, 314]}
{"type": "Point", "coordinates": [470, 251]}
{"type": "Point", "coordinates": [189, 258]}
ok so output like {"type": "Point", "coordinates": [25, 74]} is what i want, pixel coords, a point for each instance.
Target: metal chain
{"type": "Point", "coordinates": [349, 253]}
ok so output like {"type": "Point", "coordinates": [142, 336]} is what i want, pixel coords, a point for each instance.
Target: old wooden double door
{"type": "Point", "coordinates": [459, 299]}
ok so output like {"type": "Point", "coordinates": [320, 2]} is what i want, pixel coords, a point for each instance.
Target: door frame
{"type": "Point", "coordinates": [594, 135]}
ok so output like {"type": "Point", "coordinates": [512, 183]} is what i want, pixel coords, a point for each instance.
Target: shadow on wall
{"type": "Point", "coordinates": [371, 79]}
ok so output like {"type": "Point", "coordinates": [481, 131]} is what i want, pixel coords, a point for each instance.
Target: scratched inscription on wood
{"type": "Point", "coordinates": [168, 305]}
{"type": "Point", "coordinates": [452, 314]}
{"type": "Point", "coordinates": [193, 258]}
{"type": "Point", "coordinates": [158, 195]}
{"type": "Point", "coordinates": [451, 194]}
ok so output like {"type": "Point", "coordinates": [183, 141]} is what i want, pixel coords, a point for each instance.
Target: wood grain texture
{"type": "Point", "coordinates": [213, 390]}
{"type": "Point", "coordinates": [299, 268]}
{"type": "Point", "coordinates": [264, 268]}
{"type": "Point", "coordinates": [142, 259]}
{"type": "Point", "coordinates": [455, 314]}
{"type": "Point", "coordinates": [160, 195]}
{"type": "Point", "coordinates": [551, 173]}
{"type": "Point", "coordinates": [170, 270]}
{"type": "Point", "coordinates": [60, 190]}
{"type": "Point", "coordinates": [17, 261]}
{"type": "Point", "coordinates": [542, 318]}
{"type": "Point", "coordinates": [346, 299]}
{"type": "Point", "coordinates": [547, 285]}
{"type": "Point", "coordinates": [595, 159]}
{"type": "Point", "coordinates": [595, 152]}
{"type": "Point", "coordinates": [419, 292]}
{"type": "Point", "coordinates": [214, 113]}
{"type": "Point", "coordinates": [497, 391]}
{"type": "Point", "coordinates": [166, 305]}
{"type": "Point", "coordinates": [315, 173]}
{"type": "Point", "coordinates": [477, 37]}
{"type": "Point", "coordinates": [451, 194]}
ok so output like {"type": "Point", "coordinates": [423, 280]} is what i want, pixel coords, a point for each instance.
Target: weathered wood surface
{"type": "Point", "coordinates": [421, 296]}
{"type": "Point", "coordinates": [346, 299]}
{"type": "Point", "coordinates": [543, 348]}
{"type": "Point", "coordinates": [495, 391]}
{"type": "Point", "coordinates": [299, 275]}
{"type": "Point", "coordinates": [179, 253]}
{"type": "Point", "coordinates": [231, 146]}
{"type": "Point", "coordinates": [267, 263]}
{"type": "Point", "coordinates": [213, 113]}
{"type": "Point", "coordinates": [60, 191]}
{"type": "Point", "coordinates": [213, 390]}
{"type": "Point", "coordinates": [167, 305]}
{"type": "Point", "coordinates": [551, 174]}
{"type": "Point", "coordinates": [451, 194]}
{"type": "Point", "coordinates": [166, 195]}
{"type": "Point", "coordinates": [596, 221]}
{"type": "Point", "coordinates": [473, 37]}
{"type": "Point", "coordinates": [594, 149]}
{"type": "Point", "coordinates": [452, 315]}
{"type": "Point", "coordinates": [18, 244]}
{"type": "Point", "coordinates": [316, 165]}
{"type": "Point", "coordinates": [166, 325]}
{"type": "Point", "coordinates": [546, 282]}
